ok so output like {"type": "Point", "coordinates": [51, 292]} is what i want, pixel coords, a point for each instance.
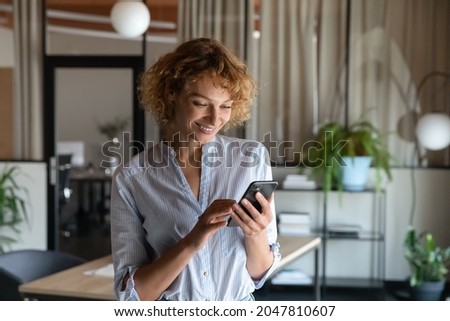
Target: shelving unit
{"type": "Point", "coordinates": [375, 237]}
{"type": "Point", "coordinates": [373, 234]}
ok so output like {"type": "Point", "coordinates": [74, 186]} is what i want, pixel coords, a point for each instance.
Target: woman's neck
{"type": "Point", "coordinates": [187, 149]}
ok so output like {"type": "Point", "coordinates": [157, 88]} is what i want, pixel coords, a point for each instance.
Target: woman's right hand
{"type": "Point", "coordinates": [214, 218]}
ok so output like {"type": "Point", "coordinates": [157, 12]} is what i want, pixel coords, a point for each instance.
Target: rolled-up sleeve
{"type": "Point", "coordinates": [275, 249]}
{"type": "Point", "coordinates": [128, 244]}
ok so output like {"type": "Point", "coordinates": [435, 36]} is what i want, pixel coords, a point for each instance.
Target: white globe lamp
{"type": "Point", "coordinates": [130, 18]}
{"type": "Point", "coordinates": [433, 131]}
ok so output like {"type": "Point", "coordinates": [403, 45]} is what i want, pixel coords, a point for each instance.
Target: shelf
{"type": "Point", "coordinates": [319, 189]}
{"type": "Point", "coordinates": [352, 231]}
{"type": "Point", "coordinates": [363, 236]}
{"type": "Point", "coordinates": [354, 283]}
{"type": "Point", "coordinates": [334, 282]}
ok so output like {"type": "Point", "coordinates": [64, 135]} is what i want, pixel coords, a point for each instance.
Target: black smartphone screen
{"type": "Point", "coordinates": [266, 188]}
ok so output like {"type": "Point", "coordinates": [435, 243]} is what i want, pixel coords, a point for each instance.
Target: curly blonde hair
{"type": "Point", "coordinates": [186, 64]}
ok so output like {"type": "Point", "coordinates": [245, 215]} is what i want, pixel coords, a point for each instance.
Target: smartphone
{"type": "Point", "coordinates": [266, 188]}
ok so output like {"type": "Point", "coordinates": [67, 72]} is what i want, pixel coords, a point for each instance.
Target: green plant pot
{"type": "Point", "coordinates": [356, 173]}
{"type": "Point", "coordinates": [427, 291]}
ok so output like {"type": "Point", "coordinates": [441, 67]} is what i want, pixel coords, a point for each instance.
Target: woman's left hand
{"type": "Point", "coordinates": [257, 222]}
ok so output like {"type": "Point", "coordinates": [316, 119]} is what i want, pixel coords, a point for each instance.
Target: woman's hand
{"type": "Point", "coordinates": [254, 227]}
{"type": "Point", "coordinates": [257, 222]}
{"type": "Point", "coordinates": [213, 219]}
{"type": "Point", "coordinates": [151, 280]}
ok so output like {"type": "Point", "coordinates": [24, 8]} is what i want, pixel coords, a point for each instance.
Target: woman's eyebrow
{"type": "Point", "coordinates": [194, 94]}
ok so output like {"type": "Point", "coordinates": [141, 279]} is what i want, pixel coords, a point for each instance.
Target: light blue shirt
{"type": "Point", "coordinates": [153, 207]}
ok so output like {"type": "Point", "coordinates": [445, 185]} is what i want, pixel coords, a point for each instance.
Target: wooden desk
{"type": "Point", "coordinates": [293, 247]}
{"type": "Point", "coordinates": [75, 284]}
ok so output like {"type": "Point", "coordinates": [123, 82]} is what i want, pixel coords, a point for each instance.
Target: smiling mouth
{"type": "Point", "coordinates": [206, 130]}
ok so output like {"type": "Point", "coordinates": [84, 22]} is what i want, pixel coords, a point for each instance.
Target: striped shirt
{"type": "Point", "coordinates": [153, 207]}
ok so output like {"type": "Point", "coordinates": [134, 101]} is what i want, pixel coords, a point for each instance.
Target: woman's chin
{"type": "Point", "coordinates": [203, 139]}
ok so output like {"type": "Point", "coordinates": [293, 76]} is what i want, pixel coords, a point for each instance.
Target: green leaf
{"type": "Point", "coordinates": [13, 207]}
{"type": "Point", "coordinates": [427, 261]}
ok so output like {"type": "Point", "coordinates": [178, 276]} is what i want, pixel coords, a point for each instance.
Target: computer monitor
{"type": "Point", "coordinates": [76, 148]}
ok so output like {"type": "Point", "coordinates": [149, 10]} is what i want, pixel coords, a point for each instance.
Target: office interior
{"type": "Point", "coordinates": [66, 74]}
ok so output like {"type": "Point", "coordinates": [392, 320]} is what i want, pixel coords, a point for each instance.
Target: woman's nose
{"type": "Point", "coordinates": [213, 114]}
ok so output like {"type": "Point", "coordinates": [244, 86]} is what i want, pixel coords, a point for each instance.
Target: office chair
{"type": "Point", "coordinates": [22, 266]}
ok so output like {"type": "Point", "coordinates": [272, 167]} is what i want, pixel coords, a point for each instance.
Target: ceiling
{"type": "Point", "coordinates": [94, 14]}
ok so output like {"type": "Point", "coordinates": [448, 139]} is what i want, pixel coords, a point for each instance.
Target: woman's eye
{"type": "Point", "coordinates": [225, 107]}
{"type": "Point", "coordinates": [200, 104]}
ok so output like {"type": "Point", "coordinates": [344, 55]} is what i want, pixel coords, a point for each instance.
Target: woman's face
{"type": "Point", "coordinates": [201, 112]}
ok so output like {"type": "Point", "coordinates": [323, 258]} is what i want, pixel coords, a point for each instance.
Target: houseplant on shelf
{"type": "Point", "coordinates": [13, 209]}
{"type": "Point", "coordinates": [338, 148]}
{"type": "Point", "coordinates": [114, 128]}
{"type": "Point", "coordinates": [114, 131]}
{"type": "Point", "coordinates": [429, 265]}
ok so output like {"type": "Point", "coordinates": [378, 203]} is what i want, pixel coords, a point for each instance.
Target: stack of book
{"type": "Point", "coordinates": [291, 277]}
{"type": "Point", "coordinates": [294, 223]}
{"type": "Point", "coordinates": [298, 181]}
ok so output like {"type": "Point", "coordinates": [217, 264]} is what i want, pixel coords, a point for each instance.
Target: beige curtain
{"type": "Point", "coordinates": [392, 46]}
{"type": "Point", "coordinates": [301, 63]}
{"type": "Point", "coordinates": [230, 21]}
{"type": "Point", "coordinates": [28, 114]}
{"type": "Point", "coordinates": [395, 45]}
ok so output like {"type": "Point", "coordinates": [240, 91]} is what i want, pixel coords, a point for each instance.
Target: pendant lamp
{"type": "Point", "coordinates": [130, 18]}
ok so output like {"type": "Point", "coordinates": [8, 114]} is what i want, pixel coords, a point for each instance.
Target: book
{"type": "Point", "coordinates": [296, 177]}
{"type": "Point", "coordinates": [294, 217]}
{"type": "Point", "coordinates": [299, 185]}
{"type": "Point", "coordinates": [298, 181]}
{"type": "Point", "coordinates": [294, 223]}
{"type": "Point", "coordinates": [291, 277]}
{"type": "Point", "coordinates": [293, 230]}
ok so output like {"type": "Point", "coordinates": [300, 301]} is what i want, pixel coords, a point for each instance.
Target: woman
{"type": "Point", "coordinates": [170, 204]}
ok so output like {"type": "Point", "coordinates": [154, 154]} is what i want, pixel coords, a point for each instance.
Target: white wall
{"type": "Point", "coordinates": [350, 258]}
{"type": "Point", "coordinates": [34, 233]}
{"type": "Point", "coordinates": [432, 211]}
{"type": "Point", "coordinates": [88, 96]}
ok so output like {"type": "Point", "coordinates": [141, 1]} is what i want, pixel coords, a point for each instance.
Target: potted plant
{"type": "Point", "coordinates": [13, 210]}
{"type": "Point", "coordinates": [429, 265]}
{"type": "Point", "coordinates": [338, 148]}
{"type": "Point", "coordinates": [112, 129]}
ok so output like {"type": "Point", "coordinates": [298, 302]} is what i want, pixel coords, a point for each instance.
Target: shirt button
{"type": "Point", "coordinates": [205, 273]}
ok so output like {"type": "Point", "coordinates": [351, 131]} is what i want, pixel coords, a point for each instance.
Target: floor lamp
{"type": "Point", "coordinates": [432, 130]}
